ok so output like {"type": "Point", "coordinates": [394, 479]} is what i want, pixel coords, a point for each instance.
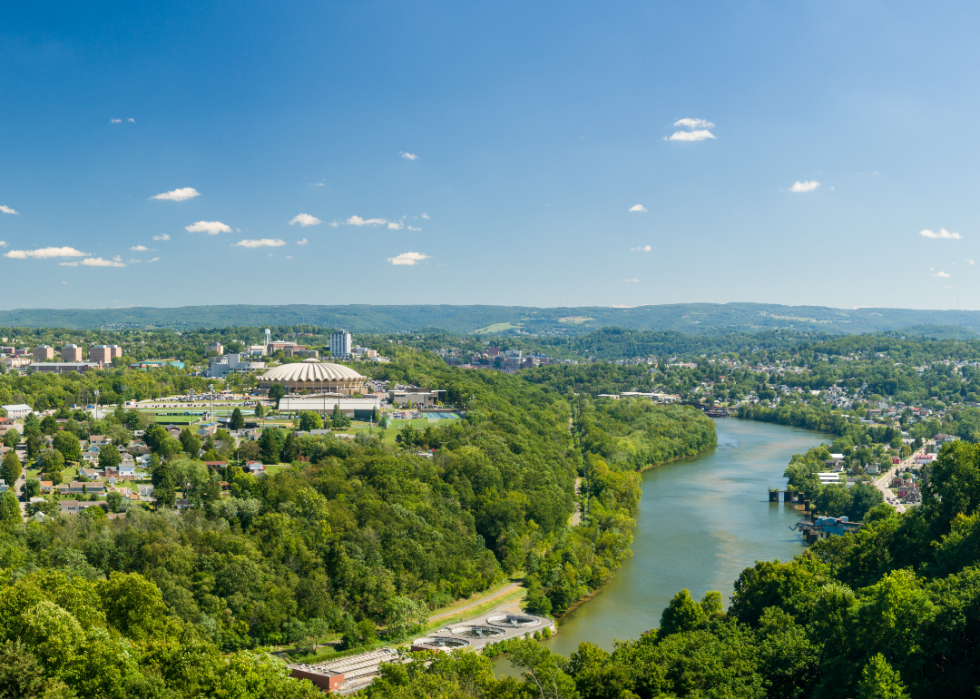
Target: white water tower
{"type": "Point", "coordinates": [268, 337]}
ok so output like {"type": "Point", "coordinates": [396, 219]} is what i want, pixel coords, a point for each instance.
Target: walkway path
{"type": "Point", "coordinates": [576, 517]}
{"type": "Point", "coordinates": [483, 600]}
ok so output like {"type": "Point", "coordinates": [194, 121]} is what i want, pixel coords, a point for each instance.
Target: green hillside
{"type": "Point", "coordinates": [692, 318]}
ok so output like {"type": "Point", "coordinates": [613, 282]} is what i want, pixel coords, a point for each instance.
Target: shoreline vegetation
{"type": "Point", "coordinates": [352, 540]}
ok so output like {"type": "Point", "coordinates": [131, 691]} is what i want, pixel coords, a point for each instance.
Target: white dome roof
{"type": "Point", "coordinates": [310, 370]}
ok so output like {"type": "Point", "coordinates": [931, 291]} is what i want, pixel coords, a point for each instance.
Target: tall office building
{"type": "Point", "coordinates": [71, 353]}
{"type": "Point", "coordinates": [340, 343]}
{"type": "Point", "coordinates": [43, 353]}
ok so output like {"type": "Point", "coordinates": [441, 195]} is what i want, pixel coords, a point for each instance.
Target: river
{"type": "Point", "coordinates": [702, 521]}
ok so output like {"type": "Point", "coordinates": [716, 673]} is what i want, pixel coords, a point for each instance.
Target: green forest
{"type": "Point", "coordinates": [351, 538]}
{"type": "Point", "coordinates": [890, 612]}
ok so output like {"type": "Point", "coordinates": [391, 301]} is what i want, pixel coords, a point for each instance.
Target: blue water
{"type": "Point", "coordinates": [701, 522]}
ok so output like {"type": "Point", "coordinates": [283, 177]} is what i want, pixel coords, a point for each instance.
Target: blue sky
{"type": "Point", "coordinates": [533, 130]}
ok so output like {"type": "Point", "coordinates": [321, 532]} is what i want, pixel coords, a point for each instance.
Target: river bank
{"type": "Point", "coordinates": [702, 520]}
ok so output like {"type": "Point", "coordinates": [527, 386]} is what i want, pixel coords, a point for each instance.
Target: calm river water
{"type": "Point", "coordinates": [702, 521]}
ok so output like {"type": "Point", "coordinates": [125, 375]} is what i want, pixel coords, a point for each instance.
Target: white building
{"type": "Point", "coordinates": [340, 343]}
{"type": "Point", "coordinates": [17, 412]}
{"type": "Point", "coordinates": [358, 408]}
{"type": "Point", "coordinates": [220, 367]}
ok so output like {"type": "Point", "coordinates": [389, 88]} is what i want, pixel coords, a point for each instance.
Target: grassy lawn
{"type": "Point", "coordinates": [497, 328]}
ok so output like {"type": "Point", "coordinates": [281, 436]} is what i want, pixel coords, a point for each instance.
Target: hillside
{"type": "Point", "coordinates": [693, 318]}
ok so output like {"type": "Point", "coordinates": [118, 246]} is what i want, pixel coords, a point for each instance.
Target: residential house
{"type": "Point", "coordinates": [72, 507]}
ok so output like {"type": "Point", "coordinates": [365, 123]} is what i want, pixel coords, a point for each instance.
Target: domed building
{"type": "Point", "coordinates": [315, 376]}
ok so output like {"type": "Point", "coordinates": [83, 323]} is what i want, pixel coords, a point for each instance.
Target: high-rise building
{"type": "Point", "coordinates": [340, 343]}
{"type": "Point", "coordinates": [43, 353]}
{"type": "Point", "coordinates": [104, 353]}
{"type": "Point", "coordinates": [215, 347]}
{"type": "Point", "coordinates": [71, 353]}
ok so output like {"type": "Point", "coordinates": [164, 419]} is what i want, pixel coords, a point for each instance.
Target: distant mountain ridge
{"type": "Point", "coordinates": [692, 318]}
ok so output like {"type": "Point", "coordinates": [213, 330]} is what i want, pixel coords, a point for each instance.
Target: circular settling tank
{"type": "Point", "coordinates": [477, 631]}
{"type": "Point", "coordinates": [442, 643]}
{"type": "Point", "coordinates": [514, 621]}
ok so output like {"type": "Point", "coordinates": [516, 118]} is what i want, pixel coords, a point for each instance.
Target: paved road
{"type": "Point", "coordinates": [17, 486]}
{"type": "Point", "coordinates": [576, 517]}
{"type": "Point", "coordinates": [477, 603]}
{"type": "Point", "coordinates": [883, 482]}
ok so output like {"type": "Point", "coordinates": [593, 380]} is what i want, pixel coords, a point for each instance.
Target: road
{"type": "Point", "coordinates": [483, 600]}
{"type": "Point", "coordinates": [17, 490]}
{"type": "Point", "coordinates": [883, 482]}
{"type": "Point", "coordinates": [576, 517]}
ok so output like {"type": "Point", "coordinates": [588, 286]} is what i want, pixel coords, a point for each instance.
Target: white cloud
{"type": "Point", "coordinates": [304, 241]}
{"type": "Point", "coordinates": [631, 280]}
{"type": "Point", "coordinates": [161, 237]}
{"type": "Point", "coordinates": [7, 209]}
{"type": "Point", "coordinates": [699, 135]}
{"type": "Point", "coordinates": [155, 259]}
{"type": "Point", "coordinates": [139, 248]}
{"type": "Point", "coordinates": [3, 243]}
{"type": "Point", "coordinates": [968, 260]}
{"type": "Point", "coordinates": [694, 123]}
{"type": "Point", "coordinates": [425, 215]}
{"type": "Point", "coordinates": [115, 121]}
{"type": "Point", "coordinates": [395, 225]}
{"type": "Point", "coordinates": [413, 228]}
{"type": "Point", "coordinates": [642, 248]}
{"type": "Point", "coordinates": [44, 253]}
{"type": "Point", "coordinates": [639, 209]}
{"type": "Point", "coordinates": [133, 261]}
{"type": "Point", "coordinates": [262, 243]}
{"type": "Point", "coordinates": [305, 220]}
{"type": "Point", "coordinates": [178, 194]}
{"type": "Point", "coordinates": [941, 233]}
{"type": "Point", "coordinates": [131, 120]}
{"type": "Point", "coordinates": [941, 275]}
{"type": "Point", "coordinates": [68, 264]}
{"type": "Point", "coordinates": [358, 221]}
{"type": "Point", "coordinates": [209, 227]}
{"type": "Point", "coordinates": [804, 186]}
{"type": "Point", "coordinates": [408, 258]}
{"type": "Point", "coordinates": [316, 184]}
{"type": "Point", "coordinates": [409, 156]}
{"type": "Point", "coordinates": [334, 224]}
{"type": "Point", "coordinates": [99, 262]}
